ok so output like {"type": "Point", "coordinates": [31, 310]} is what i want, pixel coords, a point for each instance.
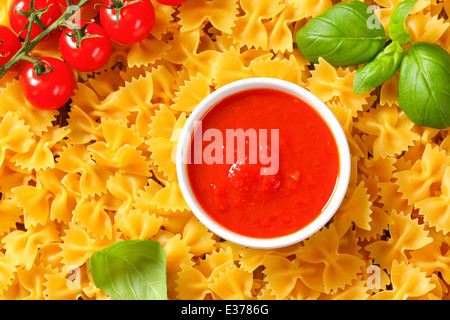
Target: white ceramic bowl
{"type": "Point", "coordinates": [270, 83]}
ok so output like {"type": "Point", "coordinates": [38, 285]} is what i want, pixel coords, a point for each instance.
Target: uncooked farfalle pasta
{"type": "Point", "coordinates": [101, 169]}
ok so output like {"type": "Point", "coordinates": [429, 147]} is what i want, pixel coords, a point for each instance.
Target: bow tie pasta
{"type": "Point", "coordinates": [102, 169]}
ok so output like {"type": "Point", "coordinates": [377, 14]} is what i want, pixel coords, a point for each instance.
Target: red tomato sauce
{"type": "Point", "coordinates": [237, 195]}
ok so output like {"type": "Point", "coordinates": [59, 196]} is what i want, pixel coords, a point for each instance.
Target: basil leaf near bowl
{"type": "Point", "coordinates": [131, 270]}
{"type": "Point", "coordinates": [342, 35]}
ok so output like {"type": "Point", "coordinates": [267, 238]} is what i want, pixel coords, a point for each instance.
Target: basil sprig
{"type": "Point", "coordinates": [341, 35]}
{"type": "Point", "coordinates": [131, 270]}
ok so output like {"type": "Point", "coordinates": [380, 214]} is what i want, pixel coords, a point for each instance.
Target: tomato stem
{"type": "Point", "coordinates": [29, 44]}
{"type": "Point", "coordinates": [79, 34]}
{"type": "Point", "coordinates": [118, 5]}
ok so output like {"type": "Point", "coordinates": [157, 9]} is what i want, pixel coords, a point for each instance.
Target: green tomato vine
{"type": "Point", "coordinates": [33, 16]}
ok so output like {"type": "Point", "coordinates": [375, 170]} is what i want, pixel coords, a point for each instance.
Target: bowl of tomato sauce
{"type": "Point", "coordinates": [263, 163]}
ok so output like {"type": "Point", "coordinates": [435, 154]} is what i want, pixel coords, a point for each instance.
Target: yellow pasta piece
{"type": "Point", "coordinates": [356, 208]}
{"type": "Point", "coordinates": [13, 100]}
{"type": "Point", "coordinates": [75, 180]}
{"type": "Point", "coordinates": [65, 286]}
{"type": "Point", "coordinates": [191, 284]}
{"type": "Point", "coordinates": [407, 282]}
{"type": "Point", "coordinates": [425, 176]}
{"type": "Point", "coordinates": [92, 178]}
{"type": "Point", "coordinates": [23, 245]}
{"type": "Point", "coordinates": [92, 215]}
{"type": "Point", "coordinates": [125, 187]}
{"type": "Point", "coordinates": [170, 198]}
{"type": "Point", "coordinates": [119, 152]}
{"type": "Point", "coordinates": [32, 281]}
{"type": "Point", "coordinates": [221, 14]}
{"type": "Point", "coordinates": [329, 83]}
{"type": "Point", "coordinates": [41, 155]}
{"type": "Point", "coordinates": [4, 17]}
{"type": "Point", "coordinates": [380, 220]}
{"type": "Point", "coordinates": [184, 51]}
{"type": "Point", "coordinates": [14, 136]}
{"type": "Point", "coordinates": [388, 6]}
{"type": "Point", "coordinates": [334, 268]}
{"type": "Point", "coordinates": [50, 254]}
{"type": "Point", "coordinates": [136, 224]}
{"type": "Point", "coordinates": [177, 254]}
{"type": "Point", "coordinates": [146, 52]}
{"type": "Point", "coordinates": [165, 131]}
{"type": "Point", "coordinates": [7, 270]}
{"type": "Point", "coordinates": [311, 8]}
{"type": "Point", "coordinates": [279, 29]}
{"type": "Point", "coordinates": [391, 198]}
{"type": "Point", "coordinates": [436, 210]}
{"type": "Point", "coordinates": [432, 258]}
{"type": "Point", "coordinates": [197, 237]}
{"type": "Point", "coordinates": [35, 204]}
{"type": "Point", "coordinates": [253, 32]}
{"type": "Point", "coordinates": [282, 275]}
{"type": "Point", "coordinates": [357, 290]}
{"type": "Point", "coordinates": [11, 214]}
{"type": "Point", "coordinates": [82, 127]}
{"type": "Point", "coordinates": [191, 93]}
{"type": "Point", "coordinates": [405, 234]}
{"type": "Point", "coordinates": [164, 19]}
{"type": "Point", "coordinates": [202, 275]}
{"type": "Point", "coordinates": [250, 259]}
{"type": "Point", "coordinates": [78, 245]}
{"type": "Point", "coordinates": [345, 118]}
{"type": "Point", "coordinates": [390, 128]}
{"type": "Point", "coordinates": [389, 91]}
{"type": "Point", "coordinates": [276, 68]}
{"type": "Point", "coordinates": [12, 176]}
{"type": "Point", "coordinates": [425, 27]}
{"type": "Point", "coordinates": [216, 261]}
{"type": "Point", "coordinates": [230, 67]}
{"type": "Point", "coordinates": [232, 284]}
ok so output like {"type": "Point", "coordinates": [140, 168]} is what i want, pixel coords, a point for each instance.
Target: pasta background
{"type": "Point", "coordinates": [101, 169]}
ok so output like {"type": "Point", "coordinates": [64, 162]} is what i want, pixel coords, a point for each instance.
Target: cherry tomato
{"type": "Point", "coordinates": [88, 11]}
{"type": "Point", "coordinates": [19, 21]}
{"type": "Point", "coordinates": [135, 21]}
{"type": "Point", "coordinates": [9, 45]}
{"type": "Point", "coordinates": [64, 2]}
{"type": "Point", "coordinates": [50, 90]}
{"type": "Point", "coordinates": [171, 2]}
{"type": "Point", "coordinates": [88, 54]}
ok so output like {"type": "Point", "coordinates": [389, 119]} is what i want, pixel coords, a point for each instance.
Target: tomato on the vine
{"type": "Point", "coordinates": [9, 44]}
{"type": "Point", "coordinates": [132, 23]}
{"type": "Point", "coordinates": [47, 85]}
{"type": "Point", "coordinates": [171, 2]}
{"type": "Point", "coordinates": [88, 11]}
{"type": "Point", "coordinates": [48, 11]}
{"type": "Point", "coordinates": [85, 49]}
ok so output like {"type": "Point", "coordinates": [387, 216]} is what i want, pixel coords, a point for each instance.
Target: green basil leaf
{"type": "Point", "coordinates": [396, 26]}
{"type": "Point", "coordinates": [342, 35]}
{"type": "Point", "coordinates": [131, 270]}
{"type": "Point", "coordinates": [379, 70]}
{"type": "Point", "coordinates": [424, 85]}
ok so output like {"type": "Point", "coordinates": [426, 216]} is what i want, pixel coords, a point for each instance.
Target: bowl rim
{"type": "Point", "coordinates": [321, 108]}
